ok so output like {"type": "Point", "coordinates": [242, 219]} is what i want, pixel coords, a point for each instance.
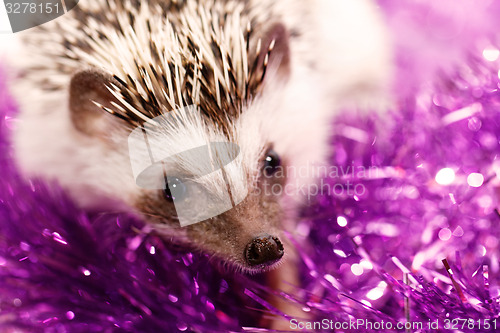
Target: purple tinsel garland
{"type": "Point", "coordinates": [423, 189]}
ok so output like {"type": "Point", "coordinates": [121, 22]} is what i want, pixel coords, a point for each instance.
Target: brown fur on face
{"type": "Point", "coordinates": [225, 236]}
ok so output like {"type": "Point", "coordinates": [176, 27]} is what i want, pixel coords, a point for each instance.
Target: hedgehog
{"type": "Point", "coordinates": [266, 76]}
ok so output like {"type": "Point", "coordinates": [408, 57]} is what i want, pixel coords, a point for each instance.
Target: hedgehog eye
{"type": "Point", "coordinates": [272, 162]}
{"type": "Point", "coordinates": [175, 189]}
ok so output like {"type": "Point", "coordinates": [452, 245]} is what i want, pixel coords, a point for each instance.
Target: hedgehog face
{"type": "Point", "coordinates": [248, 235]}
{"type": "Point", "coordinates": [248, 232]}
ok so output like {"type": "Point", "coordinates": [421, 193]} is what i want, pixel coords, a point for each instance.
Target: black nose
{"type": "Point", "coordinates": [264, 250]}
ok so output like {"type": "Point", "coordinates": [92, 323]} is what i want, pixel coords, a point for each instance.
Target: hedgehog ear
{"type": "Point", "coordinates": [276, 46]}
{"type": "Point", "coordinates": [88, 87]}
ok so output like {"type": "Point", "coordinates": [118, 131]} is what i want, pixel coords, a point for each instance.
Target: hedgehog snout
{"type": "Point", "coordinates": [264, 250]}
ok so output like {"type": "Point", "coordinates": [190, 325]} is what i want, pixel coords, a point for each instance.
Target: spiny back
{"type": "Point", "coordinates": [163, 55]}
